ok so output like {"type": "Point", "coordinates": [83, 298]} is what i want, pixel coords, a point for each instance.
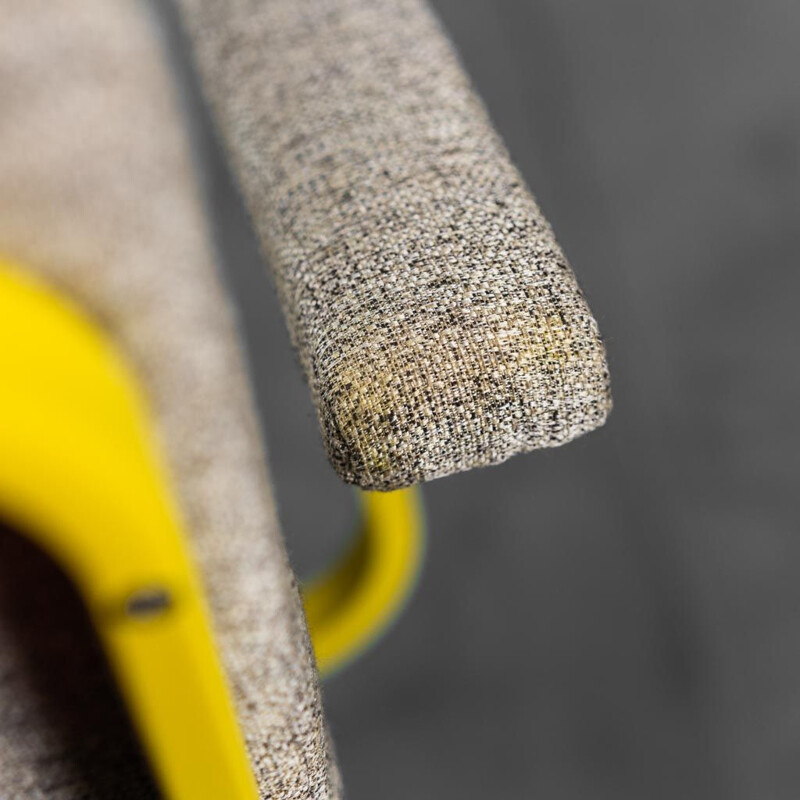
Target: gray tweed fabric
{"type": "Point", "coordinates": [438, 322]}
{"type": "Point", "coordinates": [97, 197]}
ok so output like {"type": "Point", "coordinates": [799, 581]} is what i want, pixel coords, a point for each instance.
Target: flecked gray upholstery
{"type": "Point", "coordinates": [438, 322]}
{"type": "Point", "coordinates": [98, 198]}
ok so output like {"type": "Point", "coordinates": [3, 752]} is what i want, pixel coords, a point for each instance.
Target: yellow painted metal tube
{"type": "Point", "coordinates": [351, 606]}
{"type": "Point", "coordinates": [80, 474]}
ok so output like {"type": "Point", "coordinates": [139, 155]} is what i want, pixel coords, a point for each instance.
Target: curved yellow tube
{"type": "Point", "coordinates": [79, 473]}
{"type": "Point", "coordinates": [350, 607]}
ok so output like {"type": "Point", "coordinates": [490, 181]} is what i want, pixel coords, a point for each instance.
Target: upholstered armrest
{"type": "Point", "coordinates": [438, 322]}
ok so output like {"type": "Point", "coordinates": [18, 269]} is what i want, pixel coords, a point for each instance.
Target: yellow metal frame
{"type": "Point", "coordinates": [349, 608]}
{"type": "Point", "coordinates": [81, 475]}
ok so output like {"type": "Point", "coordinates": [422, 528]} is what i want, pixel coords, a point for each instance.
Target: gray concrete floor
{"type": "Point", "coordinates": [619, 618]}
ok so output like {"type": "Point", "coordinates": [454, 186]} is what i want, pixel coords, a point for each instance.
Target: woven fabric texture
{"type": "Point", "coordinates": [97, 197]}
{"type": "Point", "coordinates": [438, 322]}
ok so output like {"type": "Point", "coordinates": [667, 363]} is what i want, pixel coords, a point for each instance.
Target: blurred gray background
{"type": "Point", "coordinates": [619, 618]}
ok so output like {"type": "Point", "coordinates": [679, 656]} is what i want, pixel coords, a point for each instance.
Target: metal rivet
{"type": "Point", "coordinates": [148, 602]}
